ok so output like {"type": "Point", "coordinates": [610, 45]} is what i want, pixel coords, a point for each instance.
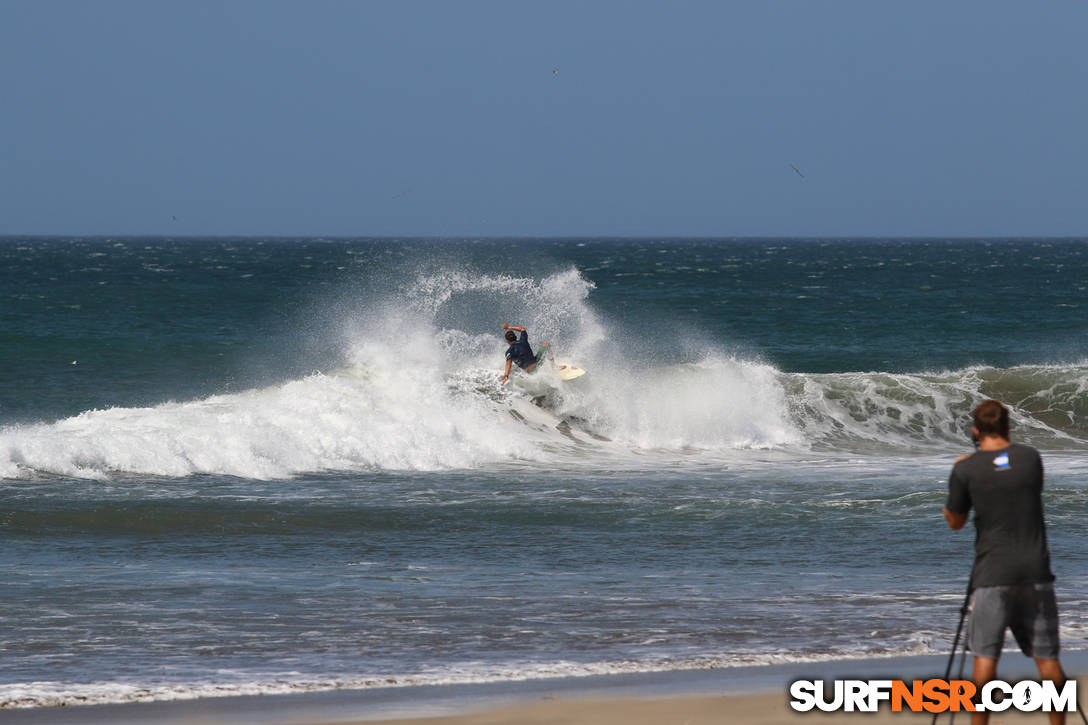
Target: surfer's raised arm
{"type": "Point", "coordinates": [516, 328]}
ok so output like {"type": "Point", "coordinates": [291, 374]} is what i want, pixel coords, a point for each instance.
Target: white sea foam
{"type": "Point", "coordinates": [385, 416]}
{"type": "Point", "coordinates": [388, 412]}
{"type": "Point", "coordinates": [53, 694]}
{"type": "Point", "coordinates": [717, 404]}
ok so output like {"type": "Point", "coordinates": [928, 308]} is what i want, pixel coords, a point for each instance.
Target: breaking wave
{"type": "Point", "coordinates": [418, 389]}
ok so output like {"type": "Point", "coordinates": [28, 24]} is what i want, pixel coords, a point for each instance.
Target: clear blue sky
{"type": "Point", "coordinates": [589, 117]}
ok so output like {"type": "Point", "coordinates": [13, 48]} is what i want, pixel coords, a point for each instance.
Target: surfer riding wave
{"type": "Point", "coordinates": [520, 352]}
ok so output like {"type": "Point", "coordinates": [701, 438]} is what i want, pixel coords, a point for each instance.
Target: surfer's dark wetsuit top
{"type": "Point", "coordinates": [521, 353]}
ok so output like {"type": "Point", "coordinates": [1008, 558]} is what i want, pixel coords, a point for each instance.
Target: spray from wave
{"type": "Point", "coordinates": [418, 389]}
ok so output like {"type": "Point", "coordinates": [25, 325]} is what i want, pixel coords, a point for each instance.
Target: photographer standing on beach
{"type": "Point", "coordinates": [1012, 586]}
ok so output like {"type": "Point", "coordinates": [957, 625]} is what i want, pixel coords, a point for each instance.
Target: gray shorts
{"type": "Point", "coordinates": [1029, 610]}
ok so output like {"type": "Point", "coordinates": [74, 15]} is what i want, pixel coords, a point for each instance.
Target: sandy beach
{"type": "Point", "coordinates": [692, 710]}
{"type": "Point", "coordinates": [754, 709]}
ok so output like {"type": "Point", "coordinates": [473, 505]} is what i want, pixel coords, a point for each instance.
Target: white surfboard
{"type": "Point", "coordinates": [567, 371]}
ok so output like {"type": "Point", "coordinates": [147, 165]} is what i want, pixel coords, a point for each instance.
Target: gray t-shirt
{"type": "Point", "coordinates": [1005, 488]}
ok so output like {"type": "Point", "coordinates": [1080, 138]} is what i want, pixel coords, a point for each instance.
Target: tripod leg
{"type": "Point", "coordinates": [955, 646]}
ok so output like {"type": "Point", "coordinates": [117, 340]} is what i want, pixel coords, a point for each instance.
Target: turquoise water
{"type": "Point", "coordinates": [243, 465]}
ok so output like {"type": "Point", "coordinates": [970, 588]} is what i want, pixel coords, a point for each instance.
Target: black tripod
{"type": "Point", "coordinates": [955, 646]}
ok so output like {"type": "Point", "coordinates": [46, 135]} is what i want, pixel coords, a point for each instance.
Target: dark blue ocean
{"type": "Point", "coordinates": [274, 465]}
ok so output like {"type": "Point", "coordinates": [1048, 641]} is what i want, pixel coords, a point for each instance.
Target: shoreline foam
{"type": "Point", "coordinates": [694, 693]}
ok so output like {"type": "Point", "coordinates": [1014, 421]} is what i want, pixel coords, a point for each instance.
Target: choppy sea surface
{"type": "Point", "coordinates": [250, 465]}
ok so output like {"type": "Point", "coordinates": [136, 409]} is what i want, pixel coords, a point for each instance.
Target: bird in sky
{"type": "Point", "coordinates": [797, 170]}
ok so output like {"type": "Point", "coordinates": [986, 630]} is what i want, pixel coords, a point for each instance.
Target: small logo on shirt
{"type": "Point", "coordinates": [1001, 463]}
